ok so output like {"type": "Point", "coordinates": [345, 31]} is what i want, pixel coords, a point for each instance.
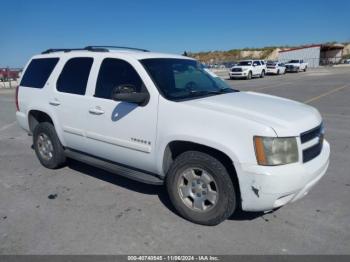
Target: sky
{"type": "Point", "coordinates": [29, 27]}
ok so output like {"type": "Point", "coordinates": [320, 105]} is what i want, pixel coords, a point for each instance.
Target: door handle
{"type": "Point", "coordinates": [54, 103]}
{"type": "Point", "coordinates": [96, 111]}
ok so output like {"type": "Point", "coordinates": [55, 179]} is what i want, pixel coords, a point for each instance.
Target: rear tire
{"type": "Point", "coordinates": [200, 188]}
{"type": "Point", "coordinates": [305, 68]}
{"type": "Point", "coordinates": [47, 146]}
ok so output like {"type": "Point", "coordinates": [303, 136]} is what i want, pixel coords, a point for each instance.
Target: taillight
{"type": "Point", "coordinates": [17, 106]}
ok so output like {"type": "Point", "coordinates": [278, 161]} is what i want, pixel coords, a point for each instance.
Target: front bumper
{"type": "Point", "coordinates": [265, 188]}
{"type": "Point", "coordinates": [292, 69]}
{"type": "Point", "coordinates": [238, 74]}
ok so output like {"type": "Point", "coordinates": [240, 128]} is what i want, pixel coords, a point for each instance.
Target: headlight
{"type": "Point", "coordinates": [245, 69]}
{"type": "Point", "coordinates": [273, 151]}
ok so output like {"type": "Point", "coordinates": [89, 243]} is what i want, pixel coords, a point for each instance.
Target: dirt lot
{"type": "Point", "coordinates": [83, 210]}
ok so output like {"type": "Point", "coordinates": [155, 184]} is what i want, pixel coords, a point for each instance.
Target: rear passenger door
{"type": "Point", "coordinates": [68, 101]}
{"type": "Point", "coordinates": [121, 132]}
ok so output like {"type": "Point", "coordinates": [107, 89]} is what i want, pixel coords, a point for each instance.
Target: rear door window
{"type": "Point", "coordinates": [74, 76]}
{"type": "Point", "coordinates": [38, 71]}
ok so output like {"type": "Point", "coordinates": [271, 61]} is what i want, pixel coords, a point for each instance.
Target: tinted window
{"type": "Point", "coordinates": [38, 71]}
{"type": "Point", "coordinates": [245, 63]}
{"type": "Point", "coordinates": [257, 63]}
{"type": "Point", "coordinates": [74, 76]}
{"type": "Point", "coordinates": [113, 73]}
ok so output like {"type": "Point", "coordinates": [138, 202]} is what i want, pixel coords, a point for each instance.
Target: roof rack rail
{"type": "Point", "coordinates": [66, 50]}
{"type": "Point", "coordinates": [93, 48]}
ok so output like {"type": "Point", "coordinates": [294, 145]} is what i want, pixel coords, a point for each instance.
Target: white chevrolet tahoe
{"type": "Point", "coordinates": [162, 119]}
{"type": "Point", "coordinates": [248, 69]}
{"type": "Point", "coordinates": [296, 65]}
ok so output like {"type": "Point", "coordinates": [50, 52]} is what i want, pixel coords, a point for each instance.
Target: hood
{"type": "Point", "coordinates": [286, 117]}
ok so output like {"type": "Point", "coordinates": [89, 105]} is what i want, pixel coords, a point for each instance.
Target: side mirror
{"type": "Point", "coordinates": [128, 93]}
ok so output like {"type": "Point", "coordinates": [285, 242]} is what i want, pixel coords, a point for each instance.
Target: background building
{"type": "Point", "coordinates": [315, 55]}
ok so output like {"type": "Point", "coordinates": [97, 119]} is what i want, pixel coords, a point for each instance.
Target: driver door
{"type": "Point", "coordinates": [117, 131]}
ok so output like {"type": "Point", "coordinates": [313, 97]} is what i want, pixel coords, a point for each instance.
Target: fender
{"type": "Point", "coordinates": [198, 140]}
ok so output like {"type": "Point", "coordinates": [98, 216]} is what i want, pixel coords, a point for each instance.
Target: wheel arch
{"type": "Point", "coordinates": [176, 147]}
{"type": "Point", "coordinates": [36, 116]}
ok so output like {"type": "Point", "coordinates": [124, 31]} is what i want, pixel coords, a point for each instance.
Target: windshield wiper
{"type": "Point", "coordinates": [200, 93]}
{"type": "Point", "coordinates": [203, 92]}
{"type": "Point", "coordinates": [211, 92]}
{"type": "Point", "coordinates": [226, 89]}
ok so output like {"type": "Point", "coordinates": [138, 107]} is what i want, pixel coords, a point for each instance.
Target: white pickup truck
{"type": "Point", "coordinates": [162, 119]}
{"type": "Point", "coordinates": [296, 65]}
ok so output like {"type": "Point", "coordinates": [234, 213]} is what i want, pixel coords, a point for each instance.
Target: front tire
{"type": "Point", "coordinates": [249, 76]}
{"type": "Point", "coordinates": [262, 75]}
{"type": "Point", "coordinates": [47, 146]}
{"type": "Point", "coordinates": [200, 188]}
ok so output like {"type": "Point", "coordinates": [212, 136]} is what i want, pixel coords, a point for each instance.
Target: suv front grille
{"type": "Point", "coordinates": [313, 151]}
{"type": "Point", "coordinates": [236, 70]}
{"type": "Point", "coordinates": [311, 134]}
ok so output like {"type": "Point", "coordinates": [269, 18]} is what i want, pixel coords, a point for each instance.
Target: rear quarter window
{"type": "Point", "coordinates": [38, 71]}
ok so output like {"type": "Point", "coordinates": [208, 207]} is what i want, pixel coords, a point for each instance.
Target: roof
{"type": "Point", "coordinates": [114, 53]}
{"type": "Point", "coordinates": [108, 51]}
{"type": "Point", "coordinates": [322, 46]}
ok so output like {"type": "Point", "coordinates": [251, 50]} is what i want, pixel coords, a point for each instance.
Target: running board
{"type": "Point", "coordinates": [138, 175]}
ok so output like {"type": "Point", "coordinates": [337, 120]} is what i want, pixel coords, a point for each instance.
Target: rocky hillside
{"type": "Point", "coordinates": [268, 53]}
{"type": "Point", "coordinates": [346, 51]}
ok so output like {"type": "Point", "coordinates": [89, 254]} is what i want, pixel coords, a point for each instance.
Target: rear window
{"type": "Point", "coordinates": [38, 71]}
{"type": "Point", "coordinates": [75, 75]}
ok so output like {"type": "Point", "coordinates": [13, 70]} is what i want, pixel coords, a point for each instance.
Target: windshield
{"type": "Point", "coordinates": [245, 63]}
{"type": "Point", "coordinates": [294, 61]}
{"type": "Point", "coordinates": [179, 79]}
